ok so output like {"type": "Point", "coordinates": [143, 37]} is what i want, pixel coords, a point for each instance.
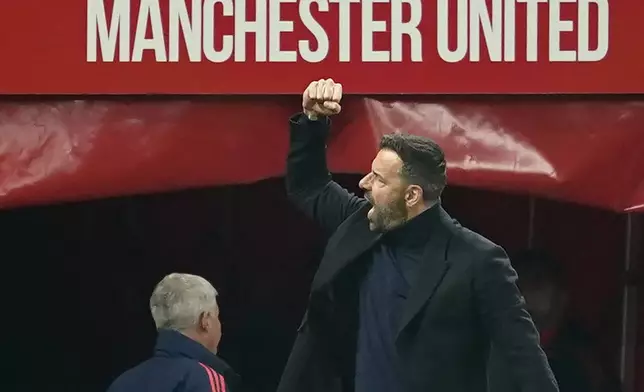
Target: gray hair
{"type": "Point", "coordinates": [178, 301]}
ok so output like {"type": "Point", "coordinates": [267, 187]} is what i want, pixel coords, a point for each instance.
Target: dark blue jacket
{"type": "Point", "coordinates": [179, 364]}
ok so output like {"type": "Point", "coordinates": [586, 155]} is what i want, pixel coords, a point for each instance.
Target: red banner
{"type": "Point", "coordinates": [277, 46]}
{"type": "Point", "coordinates": [584, 151]}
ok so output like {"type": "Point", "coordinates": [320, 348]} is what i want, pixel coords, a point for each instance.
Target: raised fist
{"type": "Point", "coordinates": [322, 98]}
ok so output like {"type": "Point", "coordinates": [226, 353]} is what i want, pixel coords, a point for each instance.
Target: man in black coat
{"type": "Point", "coordinates": [405, 299]}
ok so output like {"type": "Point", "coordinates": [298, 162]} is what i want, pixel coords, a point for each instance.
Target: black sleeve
{"type": "Point", "coordinates": [509, 325]}
{"type": "Point", "coordinates": [308, 181]}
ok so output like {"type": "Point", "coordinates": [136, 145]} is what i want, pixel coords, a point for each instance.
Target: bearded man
{"type": "Point", "coordinates": [405, 299]}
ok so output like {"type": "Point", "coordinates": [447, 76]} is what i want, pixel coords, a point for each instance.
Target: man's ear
{"type": "Point", "coordinates": [204, 321]}
{"type": "Point", "coordinates": [413, 195]}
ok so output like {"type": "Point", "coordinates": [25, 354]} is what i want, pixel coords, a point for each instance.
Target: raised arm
{"type": "Point", "coordinates": [308, 181]}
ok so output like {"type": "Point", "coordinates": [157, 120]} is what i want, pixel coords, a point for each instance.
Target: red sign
{"type": "Point", "coordinates": [278, 46]}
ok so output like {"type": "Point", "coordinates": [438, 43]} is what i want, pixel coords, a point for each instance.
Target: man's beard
{"type": "Point", "coordinates": [387, 217]}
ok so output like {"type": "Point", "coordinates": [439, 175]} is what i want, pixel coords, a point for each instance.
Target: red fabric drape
{"type": "Point", "coordinates": [586, 151]}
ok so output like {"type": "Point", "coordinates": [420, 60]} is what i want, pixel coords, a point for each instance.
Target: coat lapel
{"type": "Point", "coordinates": [432, 271]}
{"type": "Point", "coordinates": [350, 240]}
{"type": "Point", "coordinates": [353, 238]}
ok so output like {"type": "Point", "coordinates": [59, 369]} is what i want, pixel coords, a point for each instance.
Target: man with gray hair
{"type": "Point", "coordinates": [185, 312]}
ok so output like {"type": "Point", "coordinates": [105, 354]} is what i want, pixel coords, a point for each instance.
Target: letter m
{"type": "Point", "coordinates": [98, 32]}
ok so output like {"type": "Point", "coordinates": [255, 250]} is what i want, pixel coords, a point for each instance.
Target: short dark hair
{"type": "Point", "coordinates": [423, 162]}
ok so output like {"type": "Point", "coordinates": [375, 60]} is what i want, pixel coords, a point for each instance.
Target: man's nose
{"type": "Point", "coordinates": [365, 182]}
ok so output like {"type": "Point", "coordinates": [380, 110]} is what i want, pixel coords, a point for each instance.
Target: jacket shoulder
{"type": "Point", "coordinates": [474, 244]}
{"type": "Point", "coordinates": [170, 374]}
{"type": "Point", "coordinates": [204, 378]}
{"type": "Point", "coordinates": [129, 379]}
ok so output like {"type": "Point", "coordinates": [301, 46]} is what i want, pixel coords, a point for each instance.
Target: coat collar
{"type": "Point", "coordinates": [174, 344]}
{"type": "Point", "coordinates": [433, 269]}
{"type": "Point", "coordinates": [348, 243]}
{"type": "Point", "coordinates": [354, 238]}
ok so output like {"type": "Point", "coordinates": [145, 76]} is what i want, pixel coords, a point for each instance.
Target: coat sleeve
{"type": "Point", "coordinates": [502, 310]}
{"type": "Point", "coordinates": [308, 181]}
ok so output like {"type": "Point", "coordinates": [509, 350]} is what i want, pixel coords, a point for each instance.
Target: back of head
{"type": "Point", "coordinates": [179, 301]}
{"type": "Point", "coordinates": [423, 162]}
